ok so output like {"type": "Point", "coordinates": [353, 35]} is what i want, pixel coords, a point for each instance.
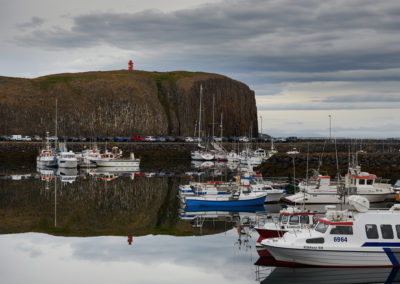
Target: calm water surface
{"type": "Point", "coordinates": [104, 227]}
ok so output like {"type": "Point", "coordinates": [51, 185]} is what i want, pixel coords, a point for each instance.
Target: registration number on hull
{"type": "Point", "coordinates": [340, 239]}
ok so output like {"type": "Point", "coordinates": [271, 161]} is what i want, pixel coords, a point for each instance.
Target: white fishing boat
{"type": "Point", "coordinates": [232, 157]}
{"type": "Point", "coordinates": [294, 151]}
{"type": "Point", "coordinates": [356, 237]}
{"type": "Point", "coordinates": [256, 185]}
{"type": "Point", "coordinates": [47, 156]}
{"type": "Point", "coordinates": [243, 197]}
{"type": "Point", "coordinates": [202, 154]}
{"type": "Point", "coordinates": [67, 160]}
{"type": "Point", "coordinates": [291, 218]}
{"type": "Point", "coordinates": [112, 162]}
{"type": "Point", "coordinates": [356, 182]}
{"type": "Point", "coordinates": [88, 157]}
{"type": "Point", "coordinates": [254, 158]}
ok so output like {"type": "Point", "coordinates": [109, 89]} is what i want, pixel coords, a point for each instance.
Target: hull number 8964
{"type": "Point", "coordinates": [340, 239]}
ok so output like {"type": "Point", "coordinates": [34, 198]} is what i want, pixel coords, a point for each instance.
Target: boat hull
{"type": "Point", "coordinates": [67, 164]}
{"type": "Point", "coordinates": [42, 164]}
{"type": "Point", "coordinates": [118, 163]}
{"type": "Point", "coordinates": [268, 233]}
{"type": "Point", "coordinates": [223, 202]}
{"type": "Point", "coordinates": [336, 258]}
{"type": "Point", "coordinates": [331, 198]}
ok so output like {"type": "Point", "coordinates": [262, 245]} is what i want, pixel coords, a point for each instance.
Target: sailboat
{"type": "Point", "coordinates": [201, 153]}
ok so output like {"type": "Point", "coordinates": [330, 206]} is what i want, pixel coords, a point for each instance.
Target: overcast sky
{"type": "Point", "coordinates": [305, 59]}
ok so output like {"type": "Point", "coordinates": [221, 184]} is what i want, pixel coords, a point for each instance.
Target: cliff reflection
{"type": "Point", "coordinates": [93, 203]}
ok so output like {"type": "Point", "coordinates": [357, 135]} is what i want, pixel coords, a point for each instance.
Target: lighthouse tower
{"type": "Point", "coordinates": [130, 64]}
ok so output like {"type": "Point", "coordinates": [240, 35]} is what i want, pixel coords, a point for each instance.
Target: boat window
{"type": "Point", "coordinates": [361, 181]}
{"type": "Point", "coordinates": [387, 231]}
{"type": "Point", "coordinates": [398, 231]}
{"type": "Point", "coordinates": [315, 240]}
{"type": "Point", "coordinates": [285, 218]}
{"type": "Point", "coordinates": [321, 227]}
{"type": "Point", "coordinates": [370, 181]}
{"type": "Point", "coordinates": [294, 220]}
{"type": "Point", "coordinates": [304, 219]}
{"type": "Point", "coordinates": [371, 231]}
{"type": "Point", "coordinates": [342, 230]}
{"type": "Point", "coordinates": [253, 182]}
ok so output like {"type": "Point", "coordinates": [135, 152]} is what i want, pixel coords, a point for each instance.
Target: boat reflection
{"type": "Point", "coordinates": [309, 275]}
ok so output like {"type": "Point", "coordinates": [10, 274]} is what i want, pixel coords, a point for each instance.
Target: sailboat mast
{"type": "Point", "coordinates": [221, 128]}
{"type": "Point", "coordinates": [56, 124]}
{"type": "Point", "coordinates": [213, 116]}
{"type": "Point", "coordinates": [201, 94]}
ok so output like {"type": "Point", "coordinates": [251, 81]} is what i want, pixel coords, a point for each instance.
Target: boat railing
{"type": "Point", "coordinates": [264, 217]}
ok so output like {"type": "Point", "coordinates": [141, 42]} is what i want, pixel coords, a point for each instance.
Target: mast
{"type": "Point", "coordinates": [221, 129]}
{"type": "Point", "coordinates": [213, 116]}
{"type": "Point", "coordinates": [201, 94]}
{"type": "Point", "coordinates": [56, 126]}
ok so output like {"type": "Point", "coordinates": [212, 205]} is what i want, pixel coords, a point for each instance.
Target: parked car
{"type": "Point", "coordinates": [170, 138]}
{"type": "Point", "coordinates": [217, 139]}
{"type": "Point", "coordinates": [180, 139]}
{"type": "Point", "coordinates": [118, 139]}
{"type": "Point", "coordinates": [138, 138]}
{"type": "Point", "coordinates": [150, 139]}
{"type": "Point", "coordinates": [160, 139]}
{"type": "Point", "coordinates": [16, 137]}
{"type": "Point", "coordinates": [243, 139]}
{"type": "Point", "coordinates": [26, 138]}
{"type": "Point", "coordinates": [189, 139]}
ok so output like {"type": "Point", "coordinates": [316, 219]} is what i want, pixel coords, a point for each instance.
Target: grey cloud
{"type": "Point", "coordinates": [318, 106]}
{"type": "Point", "coordinates": [377, 98]}
{"type": "Point", "coordinates": [33, 23]}
{"type": "Point", "coordinates": [297, 36]}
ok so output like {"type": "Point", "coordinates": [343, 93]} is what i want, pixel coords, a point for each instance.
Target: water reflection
{"type": "Point", "coordinates": [309, 275]}
{"type": "Point", "coordinates": [156, 237]}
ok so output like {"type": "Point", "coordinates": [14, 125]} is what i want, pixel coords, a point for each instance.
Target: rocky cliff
{"type": "Point", "coordinates": [124, 103]}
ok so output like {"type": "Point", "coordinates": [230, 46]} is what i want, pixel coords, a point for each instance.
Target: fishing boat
{"type": "Point", "coordinates": [113, 162]}
{"type": "Point", "coordinates": [323, 190]}
{"type": "Point", "coordinates": [47, 156]}
{"type": "Point", "coordinates": [356, 237]}
{"type": "Point", "coordinates": [242, 197]}
{"type": "Point", "coordinates": [67, 160]}
{"type": "Point", "coordinates": [291, 218]}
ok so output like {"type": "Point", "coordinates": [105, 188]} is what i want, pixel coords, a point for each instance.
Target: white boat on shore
{"type": "Point", "coordinates": [112, 162]}
{"type": "Point", "coordinates": [356, 237]}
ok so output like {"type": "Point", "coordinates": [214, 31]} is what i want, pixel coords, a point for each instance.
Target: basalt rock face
{"type": "Point", "coordinates": [123, 103]}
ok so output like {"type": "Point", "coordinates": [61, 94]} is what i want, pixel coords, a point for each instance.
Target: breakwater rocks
{"type": "Point", "coordinates": [123, 103]}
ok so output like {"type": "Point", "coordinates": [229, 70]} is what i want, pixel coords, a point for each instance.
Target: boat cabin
{"type": "Point", "coordinates": [295, 218]}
